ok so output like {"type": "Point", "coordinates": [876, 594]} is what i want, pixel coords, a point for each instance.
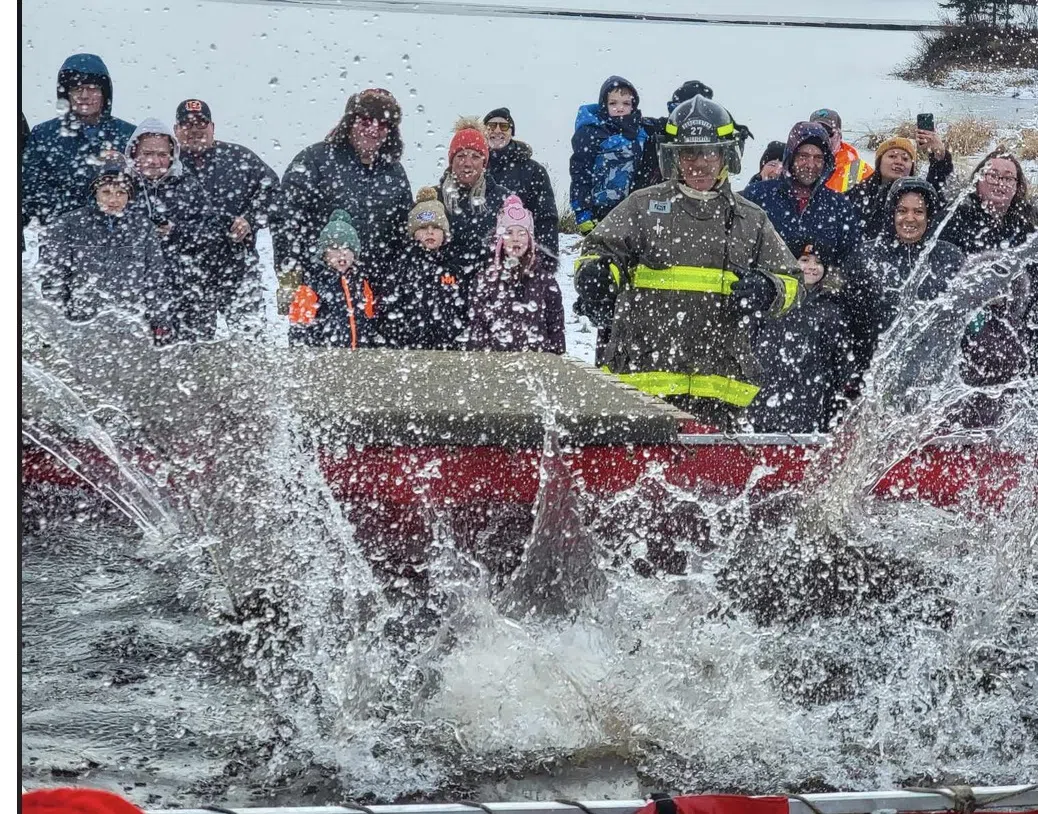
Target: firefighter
{"type": "Point", "coordinates": [684, 271]}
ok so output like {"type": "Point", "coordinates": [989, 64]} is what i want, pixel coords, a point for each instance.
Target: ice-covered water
{"type": "Point", "coordinates": [277, 77]}
{"type": "Point", "coordinates": [822, 640]}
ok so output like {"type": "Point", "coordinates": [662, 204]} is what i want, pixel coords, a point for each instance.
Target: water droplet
{"type": "Point", "coordinates": [356, 60]}
{"type": "Point", "coordinates": [263, 36]}
{"type": "Point", "coordinates": [420, 109]}
{"type": "Point", "coordinates": [273, 81]}
{"type": "Point", "coordinates": [212, 46]}
{"type": "Point", "coordinates": [389, 76]}
{"type": "Point", "coordinates": [413, 92]}
{"type": "Point", "coordinates": [277, 144]}
{"type": "Point", "coordinates": [342, 74]}
{"type": "Point", "coordinates": [405, 57]}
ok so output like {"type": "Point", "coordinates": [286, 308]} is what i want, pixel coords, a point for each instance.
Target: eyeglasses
{"type": "Point", "coordinates": [995, 179]}
{"type": "Point", "coordinates": [504, 127]}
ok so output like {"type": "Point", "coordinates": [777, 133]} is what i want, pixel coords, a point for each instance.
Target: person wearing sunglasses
{"type": "Point", "coordinates": [513, 167]}
{"type": "Point", "coordinates": [356, 168]}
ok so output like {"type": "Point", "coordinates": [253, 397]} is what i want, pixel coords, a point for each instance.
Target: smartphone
{"type": "Point", "coordinates": [924, 121]}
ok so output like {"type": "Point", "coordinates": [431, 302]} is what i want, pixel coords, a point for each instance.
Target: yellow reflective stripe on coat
{"type": "Point", "coordinates": [662, 384]}
{"type": "Point", "coordinates": [790, 288]}
{"type": "Point", "coordinates": [684, 278]}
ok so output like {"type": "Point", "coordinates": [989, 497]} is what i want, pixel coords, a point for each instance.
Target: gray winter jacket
{"type": "Point", "coordinates": [92, 262]}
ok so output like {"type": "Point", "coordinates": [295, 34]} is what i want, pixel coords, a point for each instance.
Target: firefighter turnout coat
{"type": "Point", "coordinates": [674, 255]}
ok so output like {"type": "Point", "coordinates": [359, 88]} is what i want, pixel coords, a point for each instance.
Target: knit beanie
{"type": "Point", "coordinates": [823, 251]}
{"type": "Point", "coordinates": [339, 233]}
{"type": "Point", "coordinates": [773, 152]}
{"type": "Point", "coordinates": [428, 211]}
{"type": "Point", "coordinates": [115, 172]}
{"type": "Point", "coordinates": [501, 113]}
{"type": "Point", "coordinates": [468, 138]}
{"type": "Point", "coordinates": [689, 90]}
{"type": "Point", "coordinates": [513, 213]}
{"type": "Point", "coordinates": [75, 801]}
{"type": "Point", "coordinates": [897, 143]}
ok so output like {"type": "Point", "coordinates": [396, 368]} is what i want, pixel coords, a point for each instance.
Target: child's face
{"type": "Point", "coordinates": [620, 102]}
{"type": "Point", "coordinates": [112, 198]}
{"type": "Point", "coordinates": [430, 237]}
{"type": "Point", "coordinates": [812, 269]}
{"type": "Point", "coordinates": [516, 241]}
{"type": "Point", "coordinates": [339, 259]}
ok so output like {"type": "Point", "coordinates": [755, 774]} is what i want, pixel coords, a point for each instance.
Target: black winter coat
{"type": "Point", "coordinates": [875, 277]}
{"type": "Point", "coordinates": [179, 200]}
{"type": "Point", "coordinates": [805, 363]}
{"type": "Point", "coordinates": [869, 198]}
{"type": "Point", "coordinates": [973, 230]}
{"type": "Point", "coordinates": [333, 311]}
{"type": "Point", "coordinates": [1000, 345]}
{"type": "Point", "coordinates": [237, 183]}
{"type": "Point", "coordinates": [421, 306]}
{"type": "Point", "coordinates": [325, 177]}
{"type": "Point", "coordinates": [513, 168]}
{"type": "Point", "coordinates": [473, 226]}
{"type": "Point", "coordinates": [92, 261]}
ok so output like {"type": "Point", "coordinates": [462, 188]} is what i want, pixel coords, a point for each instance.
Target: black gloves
{"type": "Point", "coordinates": [753, 292]}
{"type": "Point", "coordinates": [596, 292]}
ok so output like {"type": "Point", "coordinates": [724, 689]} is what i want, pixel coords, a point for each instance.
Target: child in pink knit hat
{"type": "Point", "coordinates": [516, 304]}
{"type": "Point", "coordinates": [515, 235]}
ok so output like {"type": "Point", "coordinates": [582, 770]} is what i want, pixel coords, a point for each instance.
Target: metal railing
{"type": "Point", "coordinates": [858, 802]}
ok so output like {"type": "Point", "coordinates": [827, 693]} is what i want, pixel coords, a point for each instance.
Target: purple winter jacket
{"type": "Point", "coordinates": [517, 309]}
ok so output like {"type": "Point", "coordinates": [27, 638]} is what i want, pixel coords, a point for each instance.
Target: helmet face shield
{"type": "Point", "coordinates": [679, 161]}
{"type": "Point", "coordinates": [700, 132]}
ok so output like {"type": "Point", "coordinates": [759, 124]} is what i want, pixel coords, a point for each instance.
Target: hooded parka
{"type": "Point", "coordinates": [877, 273]}
{"type": "Point", "coordinates": [62, 155]}
{"type": "Point", "coordinates": [179, 201]}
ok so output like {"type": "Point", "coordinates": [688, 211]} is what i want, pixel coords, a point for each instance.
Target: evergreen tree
{"type": "Point", "coordinates": [971, 12]}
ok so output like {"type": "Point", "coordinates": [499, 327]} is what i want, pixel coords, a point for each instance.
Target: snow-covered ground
{"type": "Point", "coordinates": [580, 335]}
{"type": "Point", "coordinates": [1015, 83]}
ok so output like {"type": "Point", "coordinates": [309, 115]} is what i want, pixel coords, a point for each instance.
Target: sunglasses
{"type": "Point", "coordinates": [368, 121]}
{"type": "Point", "coordinates": [504, 127]}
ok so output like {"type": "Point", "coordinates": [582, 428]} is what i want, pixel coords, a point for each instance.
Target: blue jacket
{"type": "Point", "coordinates": [607, 155]}
{"type": "Point", "coordinates": [62, 155]}
{"type": "Point", "coordinates": [829, 220]}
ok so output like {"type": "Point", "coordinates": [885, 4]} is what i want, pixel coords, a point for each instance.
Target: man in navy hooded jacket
{"type": "Point", "coordinates": [799, 205]}
{"type": "Point", "coordinates": [63, 155]}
